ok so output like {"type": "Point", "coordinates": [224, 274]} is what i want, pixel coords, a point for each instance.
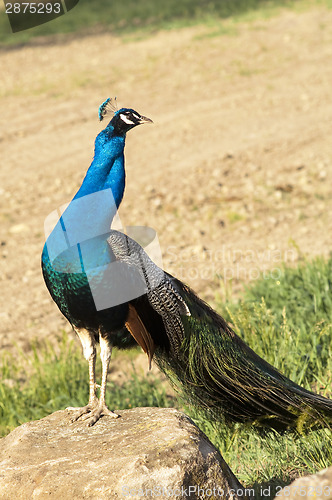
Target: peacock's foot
{"type": "Point", "coordinates": [91, 412]}
{"type": "Point", "coordinates": [100, 411]}
{"type": "Point", "coordinates": [80, 411]}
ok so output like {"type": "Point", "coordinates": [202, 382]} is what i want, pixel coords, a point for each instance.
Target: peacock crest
{"type": "Point", "coordinates": [108, 106]}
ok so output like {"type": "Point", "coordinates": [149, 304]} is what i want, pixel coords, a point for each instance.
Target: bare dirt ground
{"type": "Point", "coordinates": [235, 174]}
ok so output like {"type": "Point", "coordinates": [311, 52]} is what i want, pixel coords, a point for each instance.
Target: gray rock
{"type": "Point", "coordinates": [315, 486]}
{"type": "Point", "coordinates": [145, 451]}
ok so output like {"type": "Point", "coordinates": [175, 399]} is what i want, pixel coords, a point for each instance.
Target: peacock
{"type": "Point", "coordinates": [111, 292]}
{"type": "Point", "coordinates": [76, 254]}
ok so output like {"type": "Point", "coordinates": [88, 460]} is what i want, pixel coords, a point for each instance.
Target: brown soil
{"type": "Point", "coordinates": [235, 174]}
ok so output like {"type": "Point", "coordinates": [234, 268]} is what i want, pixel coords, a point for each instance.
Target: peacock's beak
{"type": "Point", "coordinates": [144, 119]}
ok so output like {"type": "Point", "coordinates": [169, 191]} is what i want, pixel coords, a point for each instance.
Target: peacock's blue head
{"type": "Point", "coordinates": [126, 119]}
{"type": "Point", "coordinates": [123, 120]}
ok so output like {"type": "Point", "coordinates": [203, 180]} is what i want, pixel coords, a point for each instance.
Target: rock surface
{"type": "Point", "coordinates": [315, 486]}
{"type": "Point", "coordinates": [146, 449]}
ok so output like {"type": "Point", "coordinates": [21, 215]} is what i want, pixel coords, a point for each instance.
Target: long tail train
{"type": "Point", "coordinates": [196, 348]}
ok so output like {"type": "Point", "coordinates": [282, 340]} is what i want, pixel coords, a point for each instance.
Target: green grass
{"type": "Point", "coordinates": [131, 16]}
{"type": "Point", "coordinates": [286, 321]}
{"type": "Point", "coordinates": [51, 378]}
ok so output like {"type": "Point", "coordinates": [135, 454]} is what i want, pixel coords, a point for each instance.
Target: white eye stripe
{"type": "Point", "coordinates": [136, 116]}
{"type": "Point", "coordinates": [126, 120]}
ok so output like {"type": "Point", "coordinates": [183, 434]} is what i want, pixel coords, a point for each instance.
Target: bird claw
{"type": "Point", "coordinates": [98, 412]}
{"type": "Point", "coordinates": [80, 411]}
{"type": "Point", "coordinates": [92, 413]}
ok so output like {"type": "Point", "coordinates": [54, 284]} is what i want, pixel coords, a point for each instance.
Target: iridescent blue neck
{"type": "Point", "coordinates": [104, 183]}
{"type": "Point", "coordinates": [107, 168]}
{"type": "Point", "coordinates": [90, 213]}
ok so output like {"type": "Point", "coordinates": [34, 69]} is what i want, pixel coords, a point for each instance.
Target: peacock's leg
{"type": "Point", "coordinates": [89, 350]}
{"type": "Point", "coordinates": [101, 409]}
